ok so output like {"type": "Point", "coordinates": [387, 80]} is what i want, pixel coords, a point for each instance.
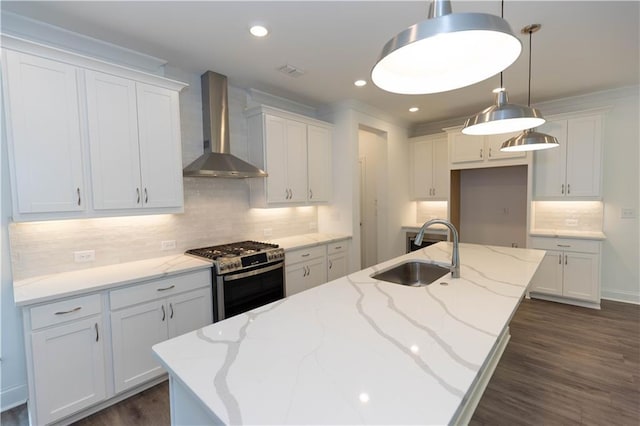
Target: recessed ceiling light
{"type": "Point", "coordinates": [414, 109]}
{"type": "Point", "coordinates": [258, 30]}
{"type": "Point", "coordinates": [360, 83]}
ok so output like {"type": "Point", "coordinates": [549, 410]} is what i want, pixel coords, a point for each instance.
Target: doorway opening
{"type": "Point", "coordinates": [372, 162]}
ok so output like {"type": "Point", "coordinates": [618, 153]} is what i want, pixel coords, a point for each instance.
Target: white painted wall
{"type": "Point", "coordinates": [344, 213]}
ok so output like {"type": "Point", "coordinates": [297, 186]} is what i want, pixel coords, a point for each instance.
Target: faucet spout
{"type": "Point", "coordinates": [455, 259]}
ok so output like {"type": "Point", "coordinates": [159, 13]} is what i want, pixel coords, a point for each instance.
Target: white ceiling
{"type": "Point", "coordinates": [583, 46]}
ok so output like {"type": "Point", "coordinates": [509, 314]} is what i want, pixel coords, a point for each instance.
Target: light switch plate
{"type": "Point", "coordinates": [571, 222]}
{"type": "Point", "coordinates": [168, 245]}
{"type": "Point", "coordinates": [627, 213]}
{"type": "Point", "coordinates": [84, 256]}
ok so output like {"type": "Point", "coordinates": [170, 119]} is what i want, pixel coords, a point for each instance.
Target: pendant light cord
{"type": "Point", "coordinates": [529, 97]}
{"type": "Point", "coordinates": [502, 16]}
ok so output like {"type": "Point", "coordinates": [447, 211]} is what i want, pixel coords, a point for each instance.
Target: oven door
{"type": "Point", "coordinates": [242, 291]}
{"type": "Point", "coordinates": [428, 240]}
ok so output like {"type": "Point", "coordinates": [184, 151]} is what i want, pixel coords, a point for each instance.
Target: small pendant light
{"type": "Point", "coordinates": [529, 140]}
{"type": "Point", "coordinates": [445, 52]}
{"type": "Point", "coordinates": [502, 117]}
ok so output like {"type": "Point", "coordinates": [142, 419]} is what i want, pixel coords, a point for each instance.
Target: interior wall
{"type": "Point", "coordinates": [493, 206]}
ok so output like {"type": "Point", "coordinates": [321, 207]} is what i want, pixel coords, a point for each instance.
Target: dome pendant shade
{"type": "Point", "coordinates": [503, 117]}
{"type": "Point", "coordinates": [529, 140]}
{"type": "Point", "coordinates": [445, 52]}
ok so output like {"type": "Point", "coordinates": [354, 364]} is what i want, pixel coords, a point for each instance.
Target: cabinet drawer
{"type": "Point", "coordinates": [159, 288]}
{"type": "Point", "coordinates": [65, 310]}
{"type": "Point", "coordinates": [303, 255]}
{"type": "Point", "coordinates": [337, 247]}
{"type": "Point", "coordinates": [568, 244]}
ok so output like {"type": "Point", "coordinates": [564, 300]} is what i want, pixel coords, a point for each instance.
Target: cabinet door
{"type": "Point", "coordinates": [336, 266]}
{"type": "Point", "coordinates": [422, 169]}
{"type": "Point", "coordinates": [581, 276]}
{"type": "Point", "coordinates": [549, 164]}
{"type": "Point", "coordinates": [133, 331]}
{"type": "Point", "coordinates": [303, 276]}
{"type": "Point", "coordinates": [584, 156]}
{"type": "Point", "coordinates": [493, 143]}
{"type": "Point", "coordinates": [45, 143]}
{"type": "Point", "coordinates": [160, 146]}
{"type": "Point", "coordinates": [548, 277]}
{"type": "Point", "coordinates": [189, 311]}
{"type": "Point", "coordinates": [297, 161]}
{"type": "Point", "coordinates": [466, 148]}
{"type": "Point", "coordinates": [276, 159]}
{"type": "Point", "coordinates": [440, 169]}
{"type": "Point", "coordinates": [69, 368]}
{"type": "Point", "coordinates": [319, 163]}
{"type": "Point", "coordinates": [113, 141]}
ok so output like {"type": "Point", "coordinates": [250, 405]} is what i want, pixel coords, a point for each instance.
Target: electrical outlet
{"type": "Point", "coordinates": [84, 256]}
{"type": "Point", "coordinates": [313, 226]}
{"type": "Point", "coordinates": [627, 213]}
{"type": "Point", "coordinates": [268, 232]}
{"type": "Point", "coordinates": [571, 222]}
{"type": "Point", "coordinates": [168, 245]}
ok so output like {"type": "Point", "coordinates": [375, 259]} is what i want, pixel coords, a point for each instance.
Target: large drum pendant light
{"type": "Point", "coordinates": [445, 52]}
{"type": "Point", "coordinates": [529, 139]}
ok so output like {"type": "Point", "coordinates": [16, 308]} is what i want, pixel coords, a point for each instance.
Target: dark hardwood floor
{"type": "Point", "coordinates": [564, 365]}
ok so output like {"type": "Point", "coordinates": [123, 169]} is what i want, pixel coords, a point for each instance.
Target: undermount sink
{"type": "Point", "coordinates": [412, 273]}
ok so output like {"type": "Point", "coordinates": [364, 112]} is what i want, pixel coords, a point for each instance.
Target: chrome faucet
{"type": "Point", "coordinates": [455, 260]}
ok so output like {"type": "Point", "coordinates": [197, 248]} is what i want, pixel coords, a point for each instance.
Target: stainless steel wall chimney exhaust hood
{"type": "Point", "coordinates": [217, 160]}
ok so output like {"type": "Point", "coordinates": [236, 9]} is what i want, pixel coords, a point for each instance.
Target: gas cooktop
{"type": "Point", "coordinates": [241, 255]}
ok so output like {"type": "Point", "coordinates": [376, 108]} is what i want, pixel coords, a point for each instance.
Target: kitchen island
{"type": "Point", "coordinates": [356, 350]}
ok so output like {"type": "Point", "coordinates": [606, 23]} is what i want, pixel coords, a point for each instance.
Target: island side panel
{"type": "Point", "coordinates": [185, 407]}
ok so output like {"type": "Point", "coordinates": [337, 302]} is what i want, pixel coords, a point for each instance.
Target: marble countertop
{"type": "Point", "coordinates": [54, 286]}
{"type": "Point", "coordinates": [307, 240]}
{"type": "Point", "coordinates": [357, 350]}
{"type": "Point", "coordinates": [435, 229]}
{"type": "Point", "coordinates": [564, 233]}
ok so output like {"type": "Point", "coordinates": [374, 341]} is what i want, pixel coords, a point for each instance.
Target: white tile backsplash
{"type": "Point", "coordinates": [427, 210]}
{"type": "Point", "coordinates": [584, 216]}
{"type": "Point", "coordinates": [216, 211]}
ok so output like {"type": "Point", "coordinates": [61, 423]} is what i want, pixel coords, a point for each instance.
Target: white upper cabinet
{"type": "Point", "coordinates": [160, 147]}
{"type": "Point", "coordinates": [87, 138]}
{"type": "Point", "coordinates": [295, 151]}
{"type": "Point", "coordinates": [113, 141]}
{"type": "Point", "coordinates": [44, 135]}
{"type": "Point", "coordinates": [429, 167]}
{"type": "Point", "coordinates": [467, 151]}
{"type": "Point", "coordinates": [134, 139]}
{"type": "Point", "coordinates": [574, 168]}
{"type": "Point", "coordinates": [319, 163]}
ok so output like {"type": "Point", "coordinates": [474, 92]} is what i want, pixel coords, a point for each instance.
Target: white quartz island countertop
{"type": "Point", "coordinates": [356, 350]}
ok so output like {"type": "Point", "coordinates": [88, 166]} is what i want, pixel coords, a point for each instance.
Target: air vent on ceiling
{"type": "Point", "coordinates": [291, 71]}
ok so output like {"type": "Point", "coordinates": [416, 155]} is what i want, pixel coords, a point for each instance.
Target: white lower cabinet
{"type": "Point", "coordinates": [305, 268]}
{"type": "Point", "coordinates": [67, 369]}
{"type": "Point", "coordinates": [337, 260]}
{"type": "Point", "coordinates": [309, 267]}
{"type": "Point", "coordinates": [570, 270]}
{"type": "Point", "coordinates": [150, 313]}
{"type": "Point", "coordinates": [69, 366]}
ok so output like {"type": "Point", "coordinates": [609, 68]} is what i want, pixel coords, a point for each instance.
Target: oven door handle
{"type": "Point", "coordinates": [253, 273]}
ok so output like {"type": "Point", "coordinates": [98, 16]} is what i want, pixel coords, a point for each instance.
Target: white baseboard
{"type": "Point", "coordinates": [13, 396]}
{"type": "Point", "coordinates": [621, 296]}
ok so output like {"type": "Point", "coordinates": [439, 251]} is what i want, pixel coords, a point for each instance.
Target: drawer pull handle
{"type": "Point", "coordinates": [166, 288]}
{"type": "Point", "coordinates": [97, 333]}
{"type": "Point", "coordinates": [310, 194]}
{"type": "Point", "coordinates": [562, 190]}
{"type": "Point", "coordinates": [146, 196]}
{"type": "Point", "coordinates": [559, 259]}
{"type": "Point", "coordinates": [164, 313]}
{"type": "Point", "coordinates": [138, 194]}
{"type": "Point", "coordinates": [306, 255]}
{"type": "Point", "coordinates": [568, 188]}
{"type": "Point", "coordinates": [69, 312]}
{"type": "Point", "coordinates": [330, 264]}
{"type": "Point", "coordinates": [79, 199]}
{"type": "Point", "coordinates": [565, 259]}
{"type": "Point", "coordinates": [563, 245]}
{"type": "Point", "coordinates": [171, 309]}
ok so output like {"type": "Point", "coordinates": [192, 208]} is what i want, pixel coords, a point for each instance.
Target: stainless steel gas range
{"type": "Point", "coordinates": [246, 275]}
